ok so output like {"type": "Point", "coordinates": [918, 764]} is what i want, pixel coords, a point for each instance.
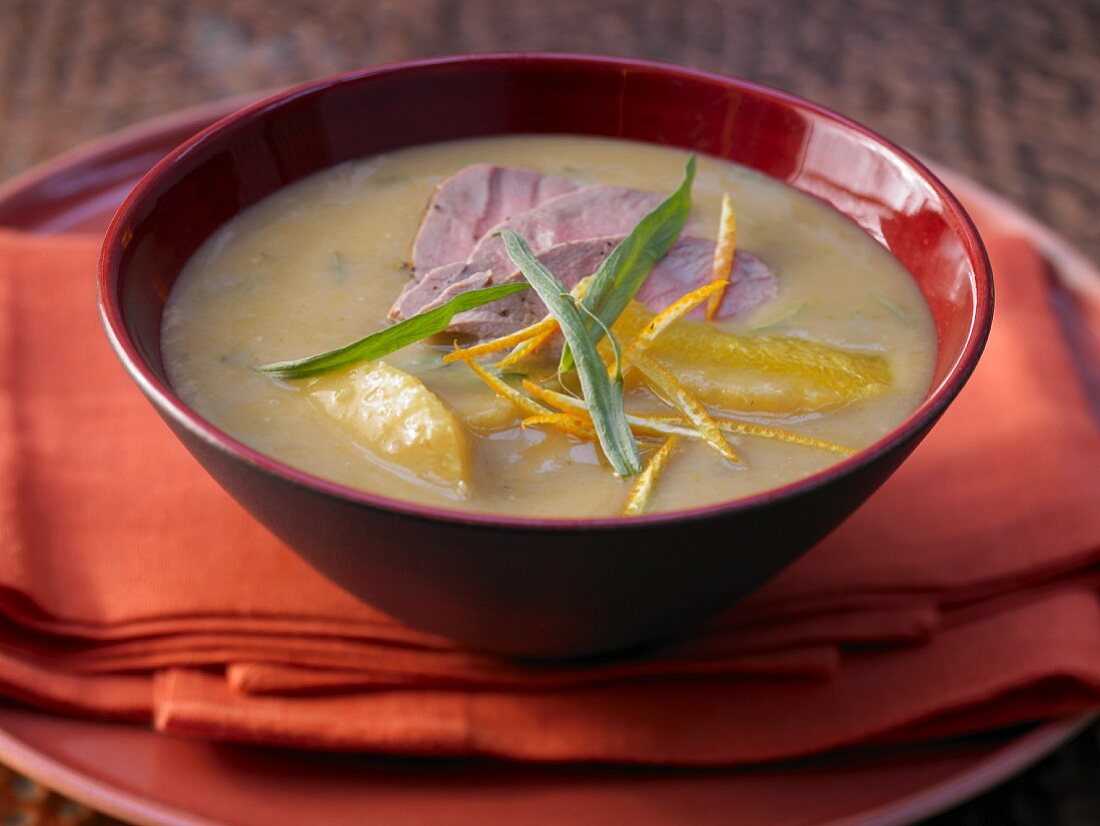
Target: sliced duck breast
{"type": "Point", "coordinates": [686, 267]}
{"type": "Point", "coordinates": [591, 212]}
{"type": "Point", "coordinates": [467, 204]}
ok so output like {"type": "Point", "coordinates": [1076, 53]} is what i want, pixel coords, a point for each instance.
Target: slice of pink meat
{"type": "Point", "coordinates": [591, 212]}
{"type": "Point", "coordinates": [570, 261]}
{"type": "Point", "coordinates": [572, 230]}
{"type": "Point", "coordinates": [686, 267]}
{"type": "Point", "coordinates": [471, 201]}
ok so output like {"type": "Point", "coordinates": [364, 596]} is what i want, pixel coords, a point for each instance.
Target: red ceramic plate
{"type": "Point", "coordinates": [148, 778]}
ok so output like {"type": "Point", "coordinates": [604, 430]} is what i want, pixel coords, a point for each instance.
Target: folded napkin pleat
{"type": "Point", "coordinates": [259, 678]}
{"type": "Point", "coordinates": [881, 625]}
{"type": "Point", "coordinates": [809, 658]}
{"type": "Point", "coordinates": [1015, 653]}
{"type": "Point", "coordinates": [961, 598]}
{"type": "Point", "coordinates": [116, 696]}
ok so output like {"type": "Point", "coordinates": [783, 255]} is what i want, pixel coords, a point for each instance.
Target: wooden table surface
{"type": "Point", "coordinates": [1006, 91]}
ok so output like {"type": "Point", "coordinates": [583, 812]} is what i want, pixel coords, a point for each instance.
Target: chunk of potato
{"type": "Point", "coordinates": [399, 420]}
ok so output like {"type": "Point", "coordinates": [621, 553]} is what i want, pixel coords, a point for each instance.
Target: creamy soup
{"type": "Point", "coordinates": [319, 264]}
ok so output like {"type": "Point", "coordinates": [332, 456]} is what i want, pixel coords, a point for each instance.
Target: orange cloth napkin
{"type": "Point", "coordinates": [959, 598]}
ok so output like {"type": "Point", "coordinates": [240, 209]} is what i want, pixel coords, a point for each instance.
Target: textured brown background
{"type": "Point", "coordinates": [1007, 91]}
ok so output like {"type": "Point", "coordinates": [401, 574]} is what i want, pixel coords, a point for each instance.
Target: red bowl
{"type": "Point", "coordinates": [527, 586]}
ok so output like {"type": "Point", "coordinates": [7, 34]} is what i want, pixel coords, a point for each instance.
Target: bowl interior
{"type": "Point", "coordinates": [241, 160]}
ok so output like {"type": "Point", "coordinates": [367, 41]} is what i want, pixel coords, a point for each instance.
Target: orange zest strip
{"type": "Point", "coordinates": [676, 425]}
{"type": "Point", "coordinates": [504, 342]}
{"type": "Point", "coordinates": [660, 322]}
{"type": "Point", "coordinates": [764, 432]}
{"type": "Point", "coordinates": [561, 401]}
{"type": "Point", "coordinates": [722, 268]}
{"type": "Point", "coordinates": [564, 422]}
{"type": "Point", "coordinates": [669, 315]}
{"type": "Point", "coordinates": [647, 479]}
{"type": "Point", "coordinates": [746, 429]}
{"type": "Point", "coordinates": [520, 339]}
{"type": "Point", "coordinates": [677, 395]}
{"type": "Point", "coordinates": [662, 426]}
{"type": "Point", "coordinates": [528, 347]}
{"type": "Point", "coordinates": [526, 405]}
{"type": "Point", "coordinates": [641, 425]}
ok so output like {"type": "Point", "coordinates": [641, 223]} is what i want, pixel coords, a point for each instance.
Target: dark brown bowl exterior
{"type": "Point", "coordinates": [536, 587]}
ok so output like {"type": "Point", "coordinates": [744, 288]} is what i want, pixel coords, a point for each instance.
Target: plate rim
{"type": "Point", "coordinates": [999, 765]}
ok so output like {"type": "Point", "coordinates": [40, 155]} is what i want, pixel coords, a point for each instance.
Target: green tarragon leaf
{"type": "Point", "coordinates": [392, 338]}
{"type": "Point", "coordinates": [603, 396]}
{"type": "Point", "coordinates": [625, 270]}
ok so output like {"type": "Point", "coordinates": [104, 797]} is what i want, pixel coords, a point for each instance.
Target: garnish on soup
{"type": "Point", "coordinates": [602, 326]}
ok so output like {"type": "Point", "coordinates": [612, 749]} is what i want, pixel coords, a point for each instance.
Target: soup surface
{"type": "Point", "coordinates": [319, 264]}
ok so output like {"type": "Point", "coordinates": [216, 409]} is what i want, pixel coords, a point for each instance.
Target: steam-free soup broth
{"type": "Point", "coordinates": [826, 337]}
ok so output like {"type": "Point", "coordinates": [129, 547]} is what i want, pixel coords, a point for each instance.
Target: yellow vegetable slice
{"type": "Point", "coordinates": [722, 267]}
{"type": "Point", "coordinates": [399, 420]}
{"type": "Point", "coordinates": [647, 479]}
{"type": "Point", "coordinates": [666, 385]}
{"type": "Point", "coordinates": [758, 374]}
{"type": "Point", "coordinates": [565, 422]}
{"type": "Point", "coordinates": [664, 319]}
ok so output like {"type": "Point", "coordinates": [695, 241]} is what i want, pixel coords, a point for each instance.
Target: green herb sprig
{"type": "Point", "coordinates": [603, 395]}
{"type": "Point", "coordinates": [624, 271]}
{"type": "Point", "coordinates": [392, 338]}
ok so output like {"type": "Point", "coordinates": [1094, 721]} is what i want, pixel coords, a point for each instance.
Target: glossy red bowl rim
{"type": "Point", "coordinates": [162, 395]}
